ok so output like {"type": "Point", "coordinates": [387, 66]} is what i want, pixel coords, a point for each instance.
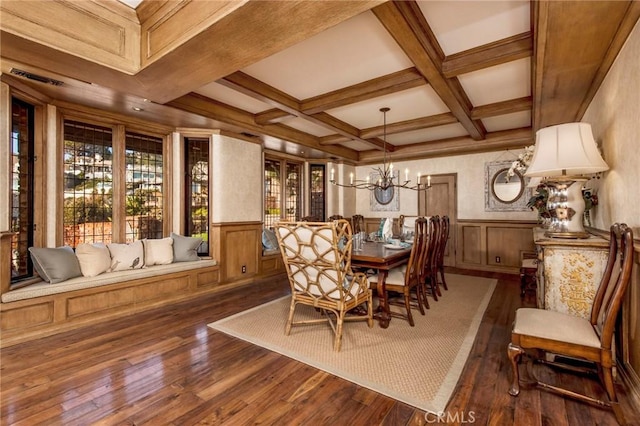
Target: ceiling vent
{"type": "Point", "coordinates": [36, 77]}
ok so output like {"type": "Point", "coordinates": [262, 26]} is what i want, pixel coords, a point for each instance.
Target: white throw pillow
{"type": "Point", "coordinates": [158, 251]}
{"type": "Point", "coordinates": [126, 256]}
{"type": "Point", "coordinates": [94, 258]}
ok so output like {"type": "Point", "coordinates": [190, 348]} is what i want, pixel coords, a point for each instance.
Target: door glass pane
{"type": "Point", "coordinates": [197, 191]}
{"type": "Point", "coordinates": [271, 192]}
{"type": "Point", "coordinates": [316, 182]}
{"type": "Point", "coordinates": [22, 146]}
{"type": "Point", "coordinates": [293, 196]}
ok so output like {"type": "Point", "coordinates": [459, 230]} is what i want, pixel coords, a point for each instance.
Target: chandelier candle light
{"type": "Point", "coordinates": [563, 155]}
{"type": "Point", "coordinates": [385, 185]}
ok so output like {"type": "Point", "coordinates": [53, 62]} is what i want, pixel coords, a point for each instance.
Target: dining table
{"type": "Point", "coordinates": [381, 257]}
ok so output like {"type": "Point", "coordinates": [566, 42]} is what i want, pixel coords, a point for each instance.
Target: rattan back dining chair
{"type": "Point", "coordinates": [317, 257]}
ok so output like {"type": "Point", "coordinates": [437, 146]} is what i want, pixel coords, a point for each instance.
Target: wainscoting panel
{"type": "Point", "coordinates": [493, 245]}
{"type": "Point", "coordinates": [470, 240]}
{"type": "Point", "coordinates": [237, 247]}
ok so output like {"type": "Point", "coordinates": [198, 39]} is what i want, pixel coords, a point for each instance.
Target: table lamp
{"type": "Point", "coordinates": [563, 155]}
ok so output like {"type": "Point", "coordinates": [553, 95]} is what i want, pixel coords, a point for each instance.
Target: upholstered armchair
{"type": "Point", "coordinates": [317, 257]}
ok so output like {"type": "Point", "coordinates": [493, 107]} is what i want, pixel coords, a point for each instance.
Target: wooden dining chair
{"type": "Point", "coordinates": [405, 279]}
{"type": "Point", "coordinates": [406, 223]}
{"type": "Point", "coordinates": [317, 258]}
{"type": "Point", "coordinates": [357, 223]}
{"type": "Point", "coordinates": [572, 337]}
{"type": "Point", "coordinates": [335, 217]}
{"type": "Point", "coordinates": [442, 247]}
{"type": "Point", "coordinates": [430, 274]}
{"type": "Point", "coordinates": [429, 242]}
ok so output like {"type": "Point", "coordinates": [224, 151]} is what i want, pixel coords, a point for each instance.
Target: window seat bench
{"type": "Point", "coordinates": [42, 309]}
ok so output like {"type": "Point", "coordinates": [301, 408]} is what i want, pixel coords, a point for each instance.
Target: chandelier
{"type": "Point", "coordinates": [386, 181]}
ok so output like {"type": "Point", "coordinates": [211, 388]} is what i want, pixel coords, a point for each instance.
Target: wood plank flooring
{"type": "Point", "coordinates": [165, 366]}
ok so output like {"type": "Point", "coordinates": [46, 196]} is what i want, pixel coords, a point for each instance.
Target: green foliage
{"type": "Point", "coordinates": [95, 208]}
{"type": "Point", "coordinates": [135, 205]}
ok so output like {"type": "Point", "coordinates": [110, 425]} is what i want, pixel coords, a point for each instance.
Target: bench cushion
{"type": "Point", "coordinates": [46, 289]}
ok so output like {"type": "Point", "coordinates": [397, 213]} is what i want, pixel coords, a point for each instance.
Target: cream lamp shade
{"type": "Point", "coordinates": [561, 155]}
{"type": "Point", "coordinates": [565, 150]}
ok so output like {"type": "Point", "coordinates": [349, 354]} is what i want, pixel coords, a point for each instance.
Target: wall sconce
{"type": "Point", "coordinates": [563, 155]}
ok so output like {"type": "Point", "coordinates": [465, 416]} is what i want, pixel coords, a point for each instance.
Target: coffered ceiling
{"type": "Point", "coordinates": [309, 78]}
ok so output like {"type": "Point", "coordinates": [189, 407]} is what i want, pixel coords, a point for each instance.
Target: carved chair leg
{"type": "Point", "coordinates": [422, 288]}
{"type": "Point", "coordinates": [370, 311]}
{"type": "Point", "coordinates": [407, 305]}
{"type": "Point", "coordinates": [444, 282]}
{"type": "Point", "coordinates": [419, 299]}
{"type": "Point", "coordinates": [434, 293]}
{"type": "Point", "coordinates": [514, 352]}
{"type": "Point", "coordinates": [609, 386]}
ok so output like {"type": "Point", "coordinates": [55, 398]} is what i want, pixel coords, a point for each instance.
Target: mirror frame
{"type": "Point", "coordinates": [492, 186]}
{"type": "Point", "coordinates": [492, 202]}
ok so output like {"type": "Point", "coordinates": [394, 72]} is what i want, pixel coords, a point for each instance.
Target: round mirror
{"type": "Point", "coordinates": [507, 189]}
{"type": "Point", "coordinates": [384, 196]}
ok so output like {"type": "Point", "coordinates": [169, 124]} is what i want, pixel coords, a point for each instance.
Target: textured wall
{"type": "Point", "coordinates": [614, 115]}
{"type": "Point", "coordinates": [236, 180]}
{"type": "Point", "coordinates": [470, 170]}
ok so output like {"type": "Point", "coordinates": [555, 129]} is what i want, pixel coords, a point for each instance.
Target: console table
{"type": "Point", "coordinates": [569, 272]}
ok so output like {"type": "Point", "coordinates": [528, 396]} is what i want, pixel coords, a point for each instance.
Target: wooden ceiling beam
{"type": "Point", "coordinates": [215, 110]}
{"type": "Point", "coordinates": [575, 44]}
{"type": "Point", "coordinates": [408, 26]}
{"type": "Point", "coordinates": [271, 116]}
{"type": "Point", "coordinates": [391, 83]}
{"type": "Point", "coordinates": [501, 108]}
{"type": "Point", "coordinates": [496, 53]}
{"type": "Point", "coordinates": [399, 127]}
{"type": "Point", "coordinates": [250, 86]}
{"type": "Point", "coordinates": [495, 141]}
{"type": "Point", "coordinates": [410, 125]}
{"type": "Point", "coordinates": [629, 20]}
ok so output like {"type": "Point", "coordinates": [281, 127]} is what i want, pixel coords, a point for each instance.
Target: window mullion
{"type": "Point", "coordinates": [119, 183]}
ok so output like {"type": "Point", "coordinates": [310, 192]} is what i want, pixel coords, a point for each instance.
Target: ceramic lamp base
{"type": "Point", "coordinates": [566, 205]}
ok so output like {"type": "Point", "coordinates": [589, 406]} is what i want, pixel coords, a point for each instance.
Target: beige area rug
{"type": "Point", "coordinates": [417, 365]}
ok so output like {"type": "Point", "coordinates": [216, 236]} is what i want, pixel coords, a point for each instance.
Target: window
{"type": "Point", "coordinates": [197, 191]}
{"type": "Point", "coordinates": [317, 190]}
{"type": "Point", "coordinates": [22, 207]}
{"type": "Point", "coordinates": [88, 184]}
{"type": "Point", "coordinates": [282, 191]}
{"type": "Point", "coordinates": [143, 182]}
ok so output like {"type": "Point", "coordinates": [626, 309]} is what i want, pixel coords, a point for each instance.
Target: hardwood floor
{"type": "Point", "coordinates": [165, 366]}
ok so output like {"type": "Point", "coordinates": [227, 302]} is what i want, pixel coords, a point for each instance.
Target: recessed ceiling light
{"type": "Point", "coordinates": [137, 109]}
